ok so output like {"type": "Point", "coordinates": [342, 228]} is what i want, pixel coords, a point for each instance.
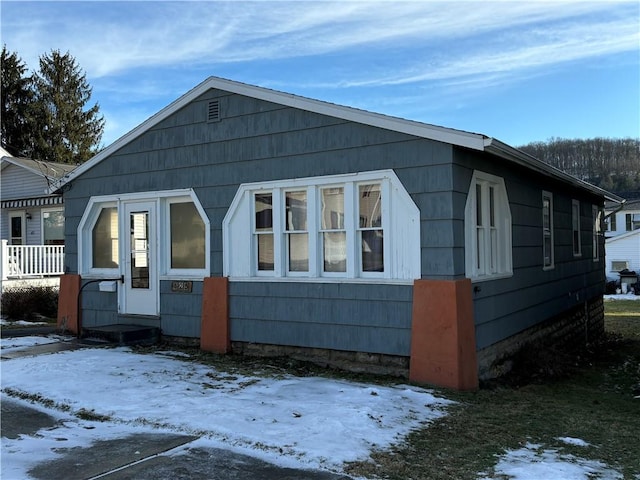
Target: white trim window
{"type": "Point", "coordinates": [334, 227]}
{"type": "Point", "coordinates": [575, 228]}
{"type": "Point", "coordinates": [52, 226]}
{"type": "Point", "coordinates": [183, 239]}
{"type": "Point", "coordinates": [596, 216]}
{"type": "Point", "coordinates": [488, 253]}
{"type": "Point", "coordinates": [547, 231]}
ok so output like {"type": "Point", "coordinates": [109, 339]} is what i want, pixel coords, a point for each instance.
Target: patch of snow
{"type": "Point", "coordinates": [574, 441]}
{"type": "Point", "coordinates": [19, 343]}
{"type": "Point", "coordinates": [533, 463]}
{"type": "Point", "coordinates": [309, 422]}
{"type": "Point", "coordinates": [4, 321]}
{"type": "Point", "coordinates": [171, 353]}
{"type": "Point", "coordinates": [626, 296]}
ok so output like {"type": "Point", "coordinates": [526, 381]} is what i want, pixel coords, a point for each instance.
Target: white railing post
{"type": "Point", "coordinates": [20, 261]}
{"type": "Point", "coordinates": [4, 260]}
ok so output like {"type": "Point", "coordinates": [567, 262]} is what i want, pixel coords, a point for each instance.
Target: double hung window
{"type": "Point", "coordinates": [547, 230]}
{"type": "Point", "coordinates": [596, 216]}
{"type": "Point", "coordinates": [488, 228]}
{"type": "Point", "coordinates": [575, 228]}
{"type": "Point", "coordinates": [332, 230]}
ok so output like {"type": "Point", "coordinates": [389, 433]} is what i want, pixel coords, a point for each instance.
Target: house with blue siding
{"type": "Point", "coordinates": [251, 220]}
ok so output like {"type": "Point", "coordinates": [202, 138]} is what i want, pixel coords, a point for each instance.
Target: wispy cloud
{"type": "Point", "coordinates": [496, 35]}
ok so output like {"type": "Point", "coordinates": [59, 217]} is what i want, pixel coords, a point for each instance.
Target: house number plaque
{"type": "Point", "coordinates": [181, 286]}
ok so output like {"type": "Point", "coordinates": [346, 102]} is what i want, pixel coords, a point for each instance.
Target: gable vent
{"type": "Point", "coordinates": [213, 113]}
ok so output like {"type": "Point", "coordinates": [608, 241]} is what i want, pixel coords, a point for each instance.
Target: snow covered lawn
{"type": "Point", "coordinates": [313, 422]}
{"type": "Point", "coordinates": [307, 422]}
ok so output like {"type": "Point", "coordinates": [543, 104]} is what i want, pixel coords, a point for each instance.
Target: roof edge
{"type": "Point", "coordinates": [443, 134]}
{"type": "Point", "coordinates": [508, 152]}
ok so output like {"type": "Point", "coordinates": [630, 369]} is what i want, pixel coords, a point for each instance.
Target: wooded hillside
{"type": "Point", "coordinates": [610, 163]}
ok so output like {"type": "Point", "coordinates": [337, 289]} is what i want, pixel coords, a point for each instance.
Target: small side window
{"type": "Point", "coordinates": [187, 233]}
{"type": "Point", "coordinates": [104, 239]}
{"type": "Point", "coordinates": [575, 228]}
{"type": "Point", "coordinates": [547, 230]}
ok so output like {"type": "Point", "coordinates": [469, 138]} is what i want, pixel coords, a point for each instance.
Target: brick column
{"type": "Point", "coordinates": [443, 342]}
{"type": "Point", "coordinates": [68, 314]}
{"type": "Point", "coordinates": [214, 330]}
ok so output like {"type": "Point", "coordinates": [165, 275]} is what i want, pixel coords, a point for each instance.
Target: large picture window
{"type": "Point", "coordinates": [332, 227]}
{"type": "Point", "coordinates": [487, 228]}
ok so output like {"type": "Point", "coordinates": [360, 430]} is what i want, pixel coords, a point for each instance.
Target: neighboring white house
{"type": "Point", "coordinates": [31, 220]}
{"type": "Point", "coordinates": [623, 240]}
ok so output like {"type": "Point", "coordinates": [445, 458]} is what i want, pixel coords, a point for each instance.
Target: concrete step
{"type": "Point", "coordinates": [123, 334]}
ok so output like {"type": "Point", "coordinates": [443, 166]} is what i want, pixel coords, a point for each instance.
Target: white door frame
{"type": "Point", "coordinates": [140, 295]}
{"type": "Point", "coordinates": [22, 214]}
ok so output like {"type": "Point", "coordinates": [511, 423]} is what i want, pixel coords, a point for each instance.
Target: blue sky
{"type": "Point", "coordinates": [518, 71]}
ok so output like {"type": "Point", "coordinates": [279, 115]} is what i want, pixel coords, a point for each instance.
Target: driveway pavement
{"type": "Point", "coordinates": [143, 456]}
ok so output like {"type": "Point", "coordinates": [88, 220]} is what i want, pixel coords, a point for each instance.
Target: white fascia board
{"type": "Point", "coordinates": [622, 236]}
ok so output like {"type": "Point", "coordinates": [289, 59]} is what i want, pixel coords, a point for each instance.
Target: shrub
{"type": "Point", "coordinates": [30, 303]}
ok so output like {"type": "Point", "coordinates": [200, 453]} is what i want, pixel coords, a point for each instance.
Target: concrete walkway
{"type": "Point", "coordinates": [142, 456]}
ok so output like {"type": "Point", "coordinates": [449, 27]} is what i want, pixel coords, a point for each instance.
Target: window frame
{"type": "Point", "coordinates": [162, 199]}
{"type": "Point", "coordinates": [596, 216]}
{"type": "Point", "coordinates": [548, 234]}
{"type": "Point", "coordinates": [495, 243]}
{"type": "Point", "coordinates": [49, 211]}
{"type": "Point", "coordinates": [576, 233]}
{"type": "Point", "coordinates": [625, 267]}
{"type": "Point", "coordinates": [166, 270]}
{"type": "Point", "coordinates": [237, 228]}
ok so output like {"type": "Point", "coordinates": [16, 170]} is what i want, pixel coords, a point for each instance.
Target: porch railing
{"type": "Point", "coordinates": [23, 261]}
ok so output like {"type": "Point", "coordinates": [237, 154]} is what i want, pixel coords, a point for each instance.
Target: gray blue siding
{"type": "Point", "coordinates": [261, 141]}
{"type": "Point", "coordinates": [505, 307]}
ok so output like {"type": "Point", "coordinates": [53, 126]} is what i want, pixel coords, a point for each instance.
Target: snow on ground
{"type": "Point", "coordinates": [626, 296]}
{"type": "Point", "coordinates": [308, 422]}
{"type": "Point", "coordinates": [4, 321]}
{"type": "Point", "coordinates": [20, 343]}
{"type": "Point", "coordinates": [532, 462]}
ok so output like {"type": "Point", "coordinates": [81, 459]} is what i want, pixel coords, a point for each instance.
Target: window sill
{"type": "Point", "coordinates": [487, 278]}
{"type": "Point", "coordinates": [368, 281]}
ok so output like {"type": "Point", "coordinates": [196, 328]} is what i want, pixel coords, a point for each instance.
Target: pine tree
{"type": "Point", "coordinates": [16, 95]}
{"type": "Point", "coordinates": [65, 132]}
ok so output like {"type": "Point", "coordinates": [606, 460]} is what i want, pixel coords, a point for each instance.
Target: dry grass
{"type": "Point", "coordinates": [596, 404]}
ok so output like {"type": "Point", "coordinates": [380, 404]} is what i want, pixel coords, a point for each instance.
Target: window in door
{"type": "Point", "coordinates": [17, 229]}
{"type": "Point", "coordinates": [139, 224]}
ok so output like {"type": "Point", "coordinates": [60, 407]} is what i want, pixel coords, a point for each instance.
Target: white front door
{"type": "Point", "coordinates": [140, 259]}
